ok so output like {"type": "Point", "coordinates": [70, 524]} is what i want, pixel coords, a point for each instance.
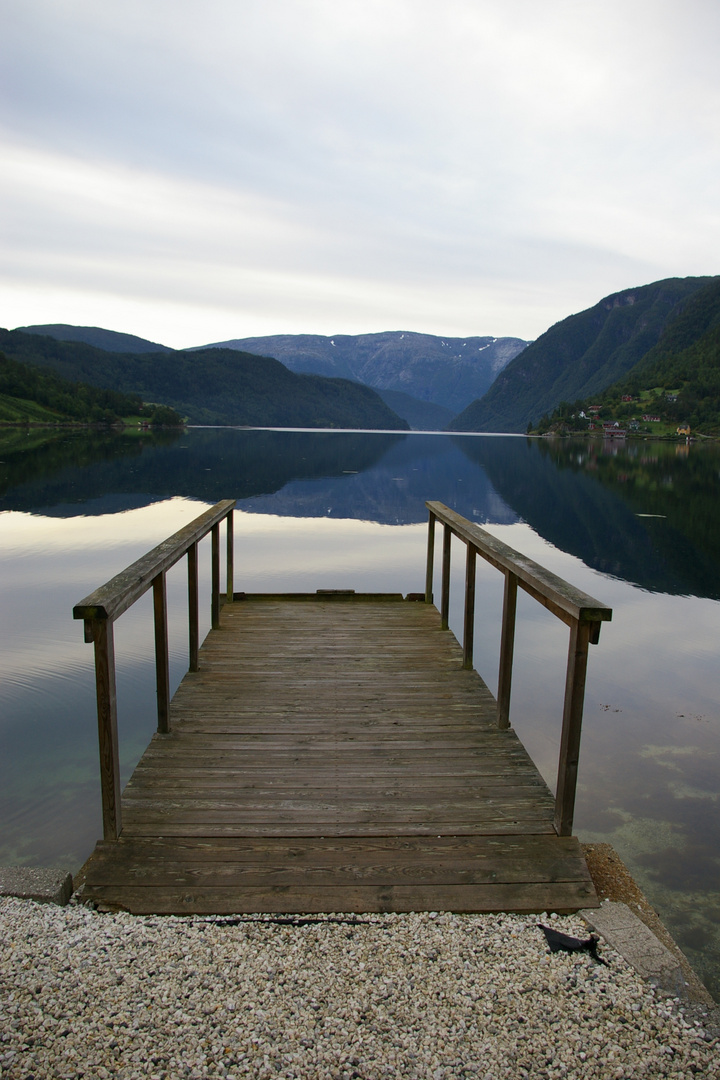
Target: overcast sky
{"type": "Point", "coordinates": [192, 171]}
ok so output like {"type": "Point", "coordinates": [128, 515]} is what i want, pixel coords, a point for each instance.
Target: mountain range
{"type": "Point", "coordinates": [445, 371]}
{"type": "Point", "coordinates": [212, 386]}
{"type": "Point", "coordinates": [425, 379]}
{"type": "Point", "coordinates": [646, 340]}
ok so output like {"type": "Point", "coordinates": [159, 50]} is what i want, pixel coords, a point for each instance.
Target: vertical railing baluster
{"type": "Point", "coordinates": [429, 569]}
{"type": "Point", "coordinates": [104, 646]}
{"type": "Point", "coordinates": [193, 606]}
{"type": "Point", "coordinates": [580, 634]}
{"type": "Point", "coordinates": [230, 558]}
{"type": "Point", "coordinates": [507, 645]}
{"type": "Point", "coordinates": [469, 621]}
{"type": "Point", "coordinates": [445, 594]}
{"type": "Point", "coordinates": [215, 601]}
{"type": "Point", "coordinates": [162, 662]}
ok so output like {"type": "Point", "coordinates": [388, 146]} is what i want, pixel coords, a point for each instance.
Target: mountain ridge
{"type": "Point", "coordinates": [107, 340]}
{"type": "Point", "coordinates": [446, 371]}
{"type": "Point", "coordinates": [212, 386]}
{"type": "Point", "coordinates": [579, 356]}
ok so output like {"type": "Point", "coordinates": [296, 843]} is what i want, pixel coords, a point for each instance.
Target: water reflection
{"type": "Point", "coordinates": [63, 470]}
{"type": "Point", "coordinates": [346, 510]}
{"type": "Point", "coordinates": [648, 512]}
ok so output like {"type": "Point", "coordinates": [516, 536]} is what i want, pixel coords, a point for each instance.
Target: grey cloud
{"type": "Point", "coordinates": [502, 148]}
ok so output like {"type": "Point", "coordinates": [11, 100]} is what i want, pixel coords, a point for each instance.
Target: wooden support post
{"type": "Point", "coordinates": [162, 662]}
{"type": "Point", "coordinates": [103, 641]}
{"type": "Point", "coordinates": [193, 607]}
{"type": "Point", "coordinates": [215, 600]}
{"type": "Point", "coordinates": [445, 593]}
{"type": "Point", "coordinates": [469, 621]}
{"type": "Point", "coordinates": [507, 645]}
{"type": "Point", "coordinates": [572, 727]}
{"type": "Point", "coordinates": [230, 558]}
{"type": "Point", "coordinates": [430, 559]}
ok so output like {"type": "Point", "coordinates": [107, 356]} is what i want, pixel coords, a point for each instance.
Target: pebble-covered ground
{"type": "Point", "coordinates": [435, 996]}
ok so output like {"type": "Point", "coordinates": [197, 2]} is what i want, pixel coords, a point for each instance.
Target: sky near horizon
{"type": "Point", "coordinates": [192, 172]}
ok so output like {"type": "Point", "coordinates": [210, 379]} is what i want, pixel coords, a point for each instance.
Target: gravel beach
{"type": "Point", "coordinates": [428, 995]}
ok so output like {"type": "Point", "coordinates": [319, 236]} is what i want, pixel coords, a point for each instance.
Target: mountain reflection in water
{"type": "Point", "coordinates": [646, 512]}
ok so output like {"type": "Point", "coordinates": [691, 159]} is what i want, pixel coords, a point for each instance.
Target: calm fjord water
{"type": "Point", "coordinates": [636, 525]}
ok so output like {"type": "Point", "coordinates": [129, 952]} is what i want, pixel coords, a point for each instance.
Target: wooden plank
{"type": "Point", "coordinates": [523, 898]}
{"type": "Point", "coordinates": [510, 859]}
{"type": "Point", "coordinates": [436, 827]}
{"type": "Point", "coordinates": [322, 849]}
{"type": "Point", "coordinates": [480, 860]}
{"type": "Point", "coordinates": [356, 786]}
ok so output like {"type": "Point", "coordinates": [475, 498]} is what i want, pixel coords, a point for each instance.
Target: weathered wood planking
{"type": "Point", "coordinates": [335, 756]}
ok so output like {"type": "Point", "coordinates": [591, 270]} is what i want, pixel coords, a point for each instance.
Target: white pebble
{"type": "Point", "coordinates": [430, 995]}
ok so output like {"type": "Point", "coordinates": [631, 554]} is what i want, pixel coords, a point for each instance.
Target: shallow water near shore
{"type": "Point", "coordinates": [636, 526]}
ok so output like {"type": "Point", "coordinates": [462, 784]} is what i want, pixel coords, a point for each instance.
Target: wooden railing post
{"type": "Point", "coordinates": [580, 633]}
{"type": "Point", "coordinates": [193, 607]}
{"type": "Point", "coordinates": [469, 621]}
{"type": "Point", "coordinates": [230, 558]}
{"type": "Point", "coordinates": [215, 601]}
{"type": "Point", "coordinates": [445, 592]}
{"type": "Point", "coordinates": [103, 642]}
{"type": "Point", "coordinates": [507, 645]}
{"type": "Point", "coordinates": [429, 569]}
{"type": "Point", "coordinates": [162, 662]}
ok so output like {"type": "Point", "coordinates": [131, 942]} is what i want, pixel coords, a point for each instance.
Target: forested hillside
{"type": "Point", "coordinates": [29, 394]}
{"type": "Point", "coordinates": [212, 386]}
{"type": "Point", "coordinates": [580, 356]}
{"type": "Point", "coordinates": [677, 382]}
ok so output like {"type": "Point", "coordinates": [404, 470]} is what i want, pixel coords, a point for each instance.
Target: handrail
{"type": "Point", "coordinates": [563, 599]}
{"type": "Point", "coordinates": [581, 612]}
{"type": "Point", "coordinates": [102, 607]}
{"type": "Point", "coordinates": [121, 592]}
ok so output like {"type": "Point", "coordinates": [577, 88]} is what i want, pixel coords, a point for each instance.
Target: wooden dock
{"type": "Point", "coordinates": [334, 752]}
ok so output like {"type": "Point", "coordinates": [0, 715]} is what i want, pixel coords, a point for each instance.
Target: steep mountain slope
{"type": "Point", "coordinates": [109, 340]}
{"type": "Point", "coordinates": [678, 380]}
{"type": "Point", "coordinates": [445, 371]}
{"type": "Point", "coordinates": [215, 386]}
{"type": "Point", "coordinates": [579, 356]}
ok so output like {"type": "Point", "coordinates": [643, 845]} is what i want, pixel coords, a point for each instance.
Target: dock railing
{"type": "Point", "coordinates": [101, 608]}
{"type": "Point", "coordinates": [582, 613]}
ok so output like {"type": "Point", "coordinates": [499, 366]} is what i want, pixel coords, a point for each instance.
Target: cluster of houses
{"type": "Point", "coordinates": [614, 429]}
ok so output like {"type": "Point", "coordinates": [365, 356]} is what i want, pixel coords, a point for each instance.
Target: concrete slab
{"type": "Point", "coordinates": [46, 885]}
{"type": "Point", "coordinates": [637, 944]}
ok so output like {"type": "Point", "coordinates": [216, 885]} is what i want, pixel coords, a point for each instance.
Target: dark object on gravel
{"type": "Point", "coordinates": [566, 943]}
